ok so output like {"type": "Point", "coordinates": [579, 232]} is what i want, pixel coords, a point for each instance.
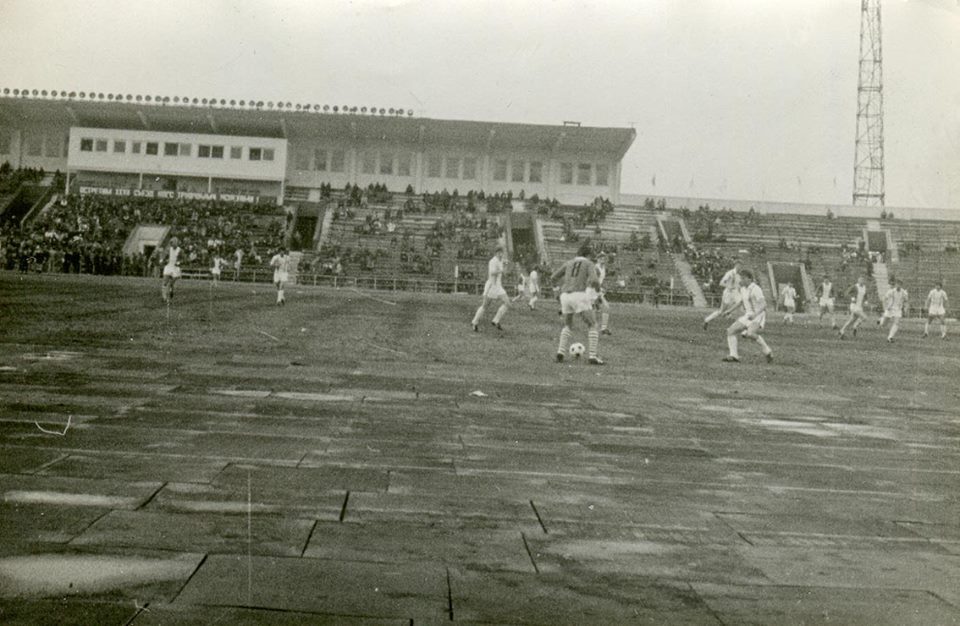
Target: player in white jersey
{"type": "Point", "coordinates": [788, 296]}
{"type": "Point", "coordinates": [217, 268]}
{"type": "Point", "coordinates": [281, 273]}
{"type": "Point", "coordinates": [171, 271]}
{"type": "Point", "coordinates": [577, 294]}
{"type": "Point", "coordinates": [601, 303]}
{"type": "Point", "coordinates": [493, 291]}
{"type": "Point", "coordinates": [752, 320]}
{"type": "Point", "coordinates": [731, 294]}
{"type": "Point", "coordinates": [533, 287]}
{"type": "Point", "coordinates": [825, 300]}
{"type": "Point", "coordinates": [521, 286]}
{"type": "Point", "coordinates": [936, 309]}
{"type": "Point", "coordinates": [858, 302]}
{"type": "Point", "coordinates": [894, 301]}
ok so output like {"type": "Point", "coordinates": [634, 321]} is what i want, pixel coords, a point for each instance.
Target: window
{"type": "Point", "coordinates": [171, 149]}
{"type": "Point", "coordinates": [583, 173]}
{"type": "Point", "coordinates": [453, 167]}
{"type": "Point", "coordinates": [337, 159]}
{"type": "Point", "coordinates": [101, 145]}
{"type": "Point", "coordinates": [566, 173]}
{"type": "Point", "coordinates": [119, 146]}
{"type": "Point", "coordinates": [500, 169]}
{"type": "Point", "coordinates": [301, 160]}
{"type": "Point", "coordinates": [86, 145]}
{"type": "Point", "coordinates": [51, 146]}
{"type": "Point", "coordinates": [236, 152]}
{"type": "Point", "coordinates": [386, 163]}
{"type": "Point", "coordinates": [255, 154]}
{"type": "Point", "coordinates": [153, 147]}
{"type": "Point", "coordinates": [216, 152]}
{"type": "Point", "coordinates": [185, 149]}
{"type": "Point", "coordinates": [536, 172]}
{"type": "Point", "coordinates": [403, 164]}
{"type": "Point", "coordinates": [268, 154]}
{"type": "Point", "coordinates": [203, 152]}
{"type": "Point", "coordinates": [433, 166]}
{"type": "Point", "coordinates": [602, 174]}
{"type": "Point", "coordinates": [368, 160]}
{"type": "Point", "coordinates": [320, 160]}
{"type": "Point", "coordinates": [35, 145]}
{"type": "Point", "coordinates": [516, 171]}
{"type": "Point", "coordinates": [469, 168]}
{"type": "Point", "coordinates": [135, 147]}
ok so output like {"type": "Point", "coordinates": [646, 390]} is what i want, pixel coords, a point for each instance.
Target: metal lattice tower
{"type": "Point", "coordinates": [868, 184]}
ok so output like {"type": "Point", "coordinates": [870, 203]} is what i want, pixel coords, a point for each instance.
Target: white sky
{"type": "Point", "coordinates": [740, 99]}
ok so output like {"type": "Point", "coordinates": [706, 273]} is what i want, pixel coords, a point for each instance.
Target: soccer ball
{"type": "Point", "coordinates": [576, 350]}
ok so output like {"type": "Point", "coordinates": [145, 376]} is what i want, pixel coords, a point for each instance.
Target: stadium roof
{"type": "Point", "coordinates": [20, 111]}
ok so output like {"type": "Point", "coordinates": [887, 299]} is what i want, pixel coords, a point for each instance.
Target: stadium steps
{"type": "Point", "coordinates": [882, 278]}
{"type": "Point", "coordinates": [689, 280]}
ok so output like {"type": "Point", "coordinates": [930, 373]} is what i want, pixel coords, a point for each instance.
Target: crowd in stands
{"type": "Point", "coordinates": [11, 178]}
{"type": "Point", "coordinates": [86, 234]}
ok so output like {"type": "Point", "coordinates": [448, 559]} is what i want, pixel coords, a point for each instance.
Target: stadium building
{"type": "Point", "coordinates": [127, 145]}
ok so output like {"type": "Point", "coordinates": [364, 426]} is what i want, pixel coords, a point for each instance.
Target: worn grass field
{"type": "Point", "coordinates": [366, 458]}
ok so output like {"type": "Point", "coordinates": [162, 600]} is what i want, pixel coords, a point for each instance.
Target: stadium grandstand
{"type": "Point", "coordinates": [374, 197]}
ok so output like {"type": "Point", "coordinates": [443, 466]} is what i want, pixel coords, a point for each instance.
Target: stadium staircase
{"type": "Point", "coordinates": [689, 281]}
{"type": "Point", "coordinates": [882, 279]}
{"type": "Point", "coordinates": [295, 259]}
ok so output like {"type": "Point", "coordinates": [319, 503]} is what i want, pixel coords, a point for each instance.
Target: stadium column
{"type": "Point", "coordinates": [552, 177]}
{"type": "Point", "coordinates": [419, 165]}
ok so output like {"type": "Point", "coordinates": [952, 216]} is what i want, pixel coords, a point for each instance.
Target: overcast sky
{"type": "Point", "coordinates": [744, 99]}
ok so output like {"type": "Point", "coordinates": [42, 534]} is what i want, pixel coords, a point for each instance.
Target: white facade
{"type": "Point", "coordinates": [177, 154]}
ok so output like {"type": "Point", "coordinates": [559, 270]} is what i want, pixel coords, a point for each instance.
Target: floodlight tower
{"type": "Point", "coordinates": [868, 185]}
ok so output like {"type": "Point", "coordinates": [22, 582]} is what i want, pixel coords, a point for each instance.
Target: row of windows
{"type": "Point", "coordinates": [454, 167]}
{"type": "Point", "coordinates": [36, 145]}
{"type": "Point", "coordinates": [152, 148]}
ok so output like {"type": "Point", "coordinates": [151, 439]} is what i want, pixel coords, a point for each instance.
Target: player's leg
{"type": "Point", "coordinates": [833, 316]}
{"type": "Point", "coordinates": [926, 325]}
{"type": "Point", "coordinates": [504, 305]}
{"type": "Point", "coordinates": [861, 318]}
{"type": "Point", "coordinates": [593, 337]}
{"type": "Point", "coordinates": [565, 334]}
{"type": "Point", "coordinates": [165, 288]}
{"type": "Point", "coordinates": [604, 315]}
{"type": "Point", "coordinates": [714, 315]}
{"type": "Point", "coordinates": [894, 327]}
{"type": "Point", "coordinates": [533, 300]}
{"type": "Point", "coordinates": [943, 325]}
{"type": "Point", "coordinates": [843, 329]}
{"type": "Point", "coordinates": [733, 334]}
{"type": "Point", "coordinates": [752, 333]}
{"type": "Point", "coordinates": [479, 314]}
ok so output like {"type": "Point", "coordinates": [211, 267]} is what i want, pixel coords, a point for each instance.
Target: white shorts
{"type": "Point", "coordinates": [936, 311]}
{"type": "Point", "coordinates": [280, 277]}
{"type": "Point", "coordinates": [215, 272]}
{"type": "Point", "coordinates": [790, 304]}
{"type": "Point", "coordinates": [893, 313]}
{"type": "Point", "coordinates": [753, 325]}
{"type": "Point", "coordinates": [171, 271]}
{"type": "Point", "coordinates": [494, 291]}
{"type": "Point", "coordinates": [731, 297]}
{"type": "Point", "coordinates": [575, 302]}
{"type": "Point", "coordinates": [826, 303]}
{"type": "Point", "coordinates": [856, 309]}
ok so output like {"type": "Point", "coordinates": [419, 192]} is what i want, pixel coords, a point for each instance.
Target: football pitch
{"type": "Point", "coordinates": [365, 458]}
